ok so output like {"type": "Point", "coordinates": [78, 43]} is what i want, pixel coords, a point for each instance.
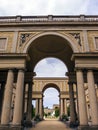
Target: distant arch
{"type": "Point", "coordinates": [50, 85]}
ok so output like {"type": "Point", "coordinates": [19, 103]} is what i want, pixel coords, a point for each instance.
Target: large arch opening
{"type": "Point", "coordinates": [50, 46]}
{"type": "Point", "coordinates": [46, 47]}
{"type": "Point", "coordinates": [50, 67]}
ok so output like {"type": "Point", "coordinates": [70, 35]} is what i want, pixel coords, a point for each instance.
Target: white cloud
{"type": "Point", "coordinates": [51, 97]}
{"type": "Point", "coordinates": [45, 7]}
{"type": "Point", "coordinates": [50, 67]}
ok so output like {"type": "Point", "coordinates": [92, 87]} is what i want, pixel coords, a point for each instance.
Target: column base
{"type": "Point", "coordinates": [16, 127]}
{"type": "Point", "coordinates": [28, 123]}
{"type": "Point", "coordinates": [94, 127]}
{"type": "Point", "coordinates": [83, 127]}
{"type": "Point", "coordinates": [88, 128]}
{"type": "Point", "coordinates": [5, 127]}
{"type": "Point", "coordinates": [74, 124]}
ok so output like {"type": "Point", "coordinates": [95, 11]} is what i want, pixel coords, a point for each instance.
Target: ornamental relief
{"type": "Point", "coordinates": [76, 35]}
{"type": "Point", "coordinates": [24, 37]}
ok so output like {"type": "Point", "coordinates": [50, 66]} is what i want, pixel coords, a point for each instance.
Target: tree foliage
{"type": "Point", "coordinates": [57, 112]}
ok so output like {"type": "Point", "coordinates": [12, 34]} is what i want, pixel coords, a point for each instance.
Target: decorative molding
{"type": "Point", "coordinates": [24, 37]}
{"type": "Point", "coordinates": [3, 43]}
{"type": "Point", "coordinates": [96, 42]}
{"type": "Point", "coordinates": [77, 37]}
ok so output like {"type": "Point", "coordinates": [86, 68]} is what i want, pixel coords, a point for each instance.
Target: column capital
{"type": "Point", "coordinates": [21, 69]}
{"type": "Point", "coordinates": [89, 70]}
{"type": "Point", "coordinates": [30, 82]}
{"type": "Point", "coordinates": [12, 69]}
{"type": "Point", "coordinates": [70, 83]}
{"type": "Point", "coordinates": [79, 69]}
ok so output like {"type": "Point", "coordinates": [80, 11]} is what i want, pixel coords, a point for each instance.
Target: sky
{"type": "Point", "coordinates": [47, 7]}
{"type": "Point", "coordinates": [48, 67]}
{"type": "Point", "coordinates": [51, 96]}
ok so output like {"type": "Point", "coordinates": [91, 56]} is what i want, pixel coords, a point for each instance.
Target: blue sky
{"type": "Point", "coordinates": [49, 7]}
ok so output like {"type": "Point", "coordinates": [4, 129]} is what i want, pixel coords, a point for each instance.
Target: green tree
{"type": "Point", "coordinates": [49, 113]}
{"type": "Point", "coordinates": [45, 114]}
{"type": "Point", "coordinates": [33, 111]}
{"type": "Point", "coordinates": [68, 110]}
{"type": "Point", "coordinates": [57, 112]}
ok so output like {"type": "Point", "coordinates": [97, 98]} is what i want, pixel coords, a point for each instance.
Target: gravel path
{"type": "Point", "coordinates": [50, 125]}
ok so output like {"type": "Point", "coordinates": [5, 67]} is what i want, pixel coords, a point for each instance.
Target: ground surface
{"type": "Point", "coordinates": [50, 125]}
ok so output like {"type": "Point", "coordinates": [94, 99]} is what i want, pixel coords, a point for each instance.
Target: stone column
{"type": "Point", "coordinates": [72, 104]}
{"type": "Point", "coordinates": [25, 101]}
{"type": "Point", "coordinates": [7, 98]}
{"type": "Point", "coordinates": [29, 106]}
{"type": "Point", "coordinates": [25, 105]}
{"type": "Point", "coordinates": [62, 107]}
{"type": "Point", "coordinates": [40, 108]}
{"type": "Point", "coordinates": [0, 101]}
{"type": "Point", "coordinates": [92, 98]}
{"type": "Point", "coordinates": [77, 103]}
{"type": "Point", "coordinates": [65, 106]}
{"type": "Point", "coordinates": [1, 98]}
{"type": "Point", "coordinates": [81, 99]}
{"type": "Point", "coordinates": [36, 111]}
{"type": "Point", "coordinates": [17, 118]}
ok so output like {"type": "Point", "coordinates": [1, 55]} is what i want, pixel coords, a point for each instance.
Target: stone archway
{"type": "Point", "coordinates": [53, 97]}
{"type": "Point", "coordinates": [50, 45]}
{"type": "Point", "coordinates": [69, 38]}
{"type": "Point", "coordinates": [26, 40]}
{"type": "Point", "coordinates": [60, 84]}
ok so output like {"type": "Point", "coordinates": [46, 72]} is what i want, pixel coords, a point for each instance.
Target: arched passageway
{"type": "Point", "coordinates": [51, 103]}
{"type": "Point", "coordinates": [18, 67]}
{"type": "Point", "coordinates": [51, 45]}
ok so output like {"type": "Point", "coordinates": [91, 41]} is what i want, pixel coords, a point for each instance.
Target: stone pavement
{"type": "Point", "coordinates": [50, 125]}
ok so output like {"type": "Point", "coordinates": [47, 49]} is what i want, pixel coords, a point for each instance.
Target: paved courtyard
{"type": "Point", "coordinates": [50, 125]}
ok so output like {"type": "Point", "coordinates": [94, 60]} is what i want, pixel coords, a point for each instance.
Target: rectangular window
{"type": "Point", "coordinates": [96, 42]}
{"type": "Point", "coordinates": [3, 42]}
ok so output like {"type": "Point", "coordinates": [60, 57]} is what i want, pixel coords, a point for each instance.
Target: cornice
{"type": "Point", "coordinates": [50, 78]}
{"type": "Point", "coordinates": [13, 55]}
{"type": "Point", "coordinates": [72, 20]}
{"type": "Point", "coordinates": [84, 55]}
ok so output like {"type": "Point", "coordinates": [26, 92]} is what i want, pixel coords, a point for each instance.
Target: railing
{"type": "Point", "coordinates": [81, 18]}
